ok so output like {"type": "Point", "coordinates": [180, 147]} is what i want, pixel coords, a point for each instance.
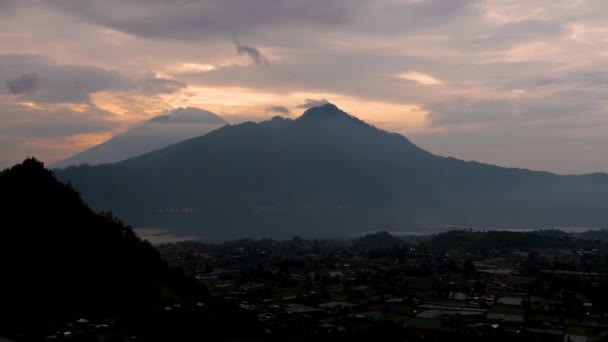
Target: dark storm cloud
{"type": "Point", "coordinates": [23, 84]}
{"type": "Point", "coordinates": [279, 110]}
{"type": "Point", "coordinates": [309, 103]}
{"type": "Point", "coordinates": [253, 53]}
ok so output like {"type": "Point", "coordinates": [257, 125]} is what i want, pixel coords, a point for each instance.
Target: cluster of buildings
{"type": "Point", "coordinates": [333, 288]}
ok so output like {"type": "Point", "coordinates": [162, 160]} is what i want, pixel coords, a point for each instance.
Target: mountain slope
{"type": "Point", "coordinates": [59, 259]}
{"type": "Point", "coordinates": [327, 173]}
{"type": "Point", "coordinates": [158, 132]}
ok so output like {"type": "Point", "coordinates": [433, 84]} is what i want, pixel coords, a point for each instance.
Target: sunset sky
{"type": "Point", "coordinates": [519, 83]}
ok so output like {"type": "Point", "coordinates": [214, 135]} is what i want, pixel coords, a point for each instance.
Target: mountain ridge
{"type": "Point", "coordinates": [329, 172]}
{"type": "Point", "coordinates": [157, 132]}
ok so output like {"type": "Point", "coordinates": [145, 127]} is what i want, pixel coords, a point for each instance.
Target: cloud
{"type": "Point", "coordinates": [53, 121]}
{"type": "Point", "coordinates": [39, 79]}
{"type": "Point", "coordinates": [544, 144]}
{"type": "Point", "coordinates": [309, 103]}
{"type": "Point", "coordinates": [23, 84]}
{"type": "Point", "coordinates": [203, 19]}
{"type": "Point", "coordinates": [477, 114]}
{"type": "Point", "coordinates": [158, 86]}
{"type": "Point", "coordinates": [191, 20]}
{"type": "Point", "coordinates": [7, 7]}
{"type": "Point", "coordinates": [499, 61]}
{"type": "Point", "coordinates": [189, 115]}
{"type": "Point", "coordinates": [278, 110]}
{"type": "Point", "coordinates": [510, 33]}
{"type": "Point", "coordinates": [395, 17]}
{"type": "Point", "coordinates": [420, 78]}
{"type": "Point", "coordinates": [253, 53]}
{"type": "Point", "coordinates": [50, 131]}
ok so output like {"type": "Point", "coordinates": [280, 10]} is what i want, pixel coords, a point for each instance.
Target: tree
{"type": "Point", "coordinates": [469, 266]}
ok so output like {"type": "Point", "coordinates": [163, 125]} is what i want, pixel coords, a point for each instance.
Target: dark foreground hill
{"type": "Point", "coordinates": [327, 173]}
{"type": "Point", "coordinates": [61, 261]}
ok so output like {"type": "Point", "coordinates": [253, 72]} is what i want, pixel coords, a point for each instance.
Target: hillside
{"type": "Point", "coordinates": [327, 173]}
{"type": "Point", "coordinates": [158, 132]}
{"type": "Point", "coordinates": [61, 261]}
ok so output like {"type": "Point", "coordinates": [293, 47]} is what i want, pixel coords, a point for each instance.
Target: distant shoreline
{"type": "Point", "coordinates": [157, 236]}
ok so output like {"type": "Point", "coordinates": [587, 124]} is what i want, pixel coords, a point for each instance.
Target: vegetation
{"type": "Point", "coordinates": [60, 260]}
{"type": "Point", "coordinates": [71, 273]}
{"type": "Point", "coordinates": [464, 285]}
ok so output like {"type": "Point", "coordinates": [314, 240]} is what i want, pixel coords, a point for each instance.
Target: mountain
{"type": "Point", "coordinates": [327, 173]}
{"type": "Point", "coordinates": [158, 132]}
{"type": "Point", "coordinates": [60, 260]}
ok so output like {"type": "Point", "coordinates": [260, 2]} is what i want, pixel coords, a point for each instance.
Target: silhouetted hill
{"type": "Point", "coordinates": [327, 173]}
{"type": "Point", "coordinates": [377, 241]}
{"type": "Point", "coordinates": [502, 240]}
{"type": "Point", "coordinates": [600, 235]}
{"type": "Point", "coordinates": [61, 260]}
{"type": "Point", "coordinates": [158, 132]}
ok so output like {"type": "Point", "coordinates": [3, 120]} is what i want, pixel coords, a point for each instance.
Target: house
{"type": "Point", "coordinates": [335, 305]}
{"type": "Point", "coordinates": [294, 308]}
{"type": "Point", "coordinates": [575, 338]}
{"type": "Point", "coordinates": [512, 301]}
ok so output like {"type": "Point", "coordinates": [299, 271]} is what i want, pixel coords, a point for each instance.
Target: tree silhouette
{"type": "Point", "coordinates": [58, 258]}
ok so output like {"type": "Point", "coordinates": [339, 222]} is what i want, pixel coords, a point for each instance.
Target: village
{"type": "Point", "coordinates": [543, 286]}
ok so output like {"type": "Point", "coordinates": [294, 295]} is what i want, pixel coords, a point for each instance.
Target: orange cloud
{"type": "Point", "coordinates": [419, 77]}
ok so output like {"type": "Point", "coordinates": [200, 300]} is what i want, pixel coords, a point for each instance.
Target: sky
{"type": "Point", "coordinates": [513, 83]}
